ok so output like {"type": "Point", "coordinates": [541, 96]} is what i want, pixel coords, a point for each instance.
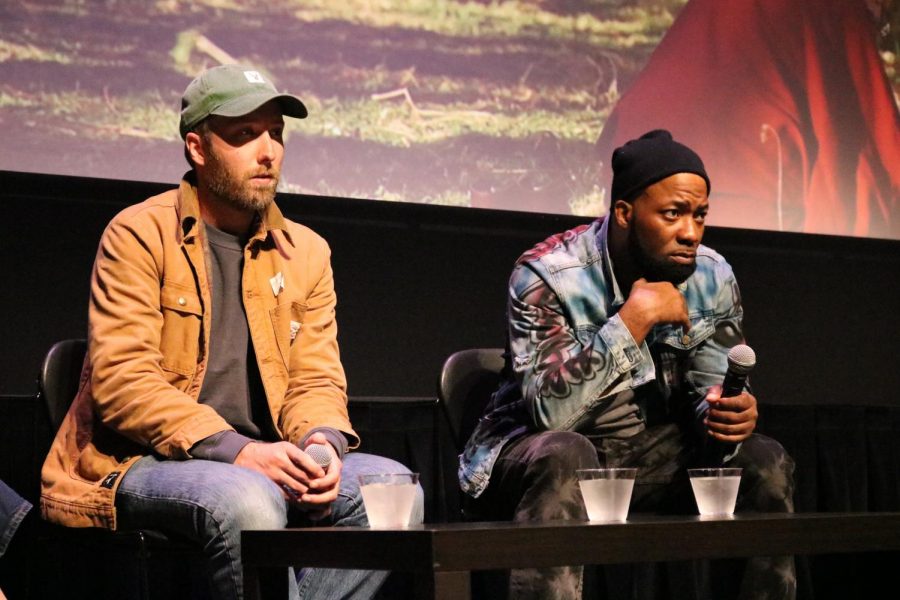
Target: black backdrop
{"type": "Point", "coordinates": [418, 282]}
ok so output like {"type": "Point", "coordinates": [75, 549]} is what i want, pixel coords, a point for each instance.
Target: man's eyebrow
{"type": "Point", "coordinates": [682, 204]}
{"type": "Point", "coordinates": [677, 203]}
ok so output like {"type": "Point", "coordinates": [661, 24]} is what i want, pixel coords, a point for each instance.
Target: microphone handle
{"type": "Point", "coordinates": [714, 451]}
{"type": "Point", "coordinates": [733, 384]}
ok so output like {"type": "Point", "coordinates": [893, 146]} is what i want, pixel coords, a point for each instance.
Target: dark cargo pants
{"type": "Point", "coordinates": [534, 480]}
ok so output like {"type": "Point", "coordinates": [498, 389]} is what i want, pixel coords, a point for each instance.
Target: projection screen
{"type": "Point", "coordinates": [513, 105]}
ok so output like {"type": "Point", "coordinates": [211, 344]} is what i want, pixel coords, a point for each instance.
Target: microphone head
{"type": "Point", "coordinates": [319, 453]}
{"type": "Point", "coordinates": [741, 359]}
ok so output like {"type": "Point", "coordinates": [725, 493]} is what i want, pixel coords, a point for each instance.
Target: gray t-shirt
{"type": "Point", "coordinates": [232, 385]}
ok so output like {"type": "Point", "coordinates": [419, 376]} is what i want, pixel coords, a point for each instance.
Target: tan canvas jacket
{"type": "Point", "coordinates": [149, 324]}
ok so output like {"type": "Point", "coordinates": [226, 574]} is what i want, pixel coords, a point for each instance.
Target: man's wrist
{"type": "Point", "coordinates": [636, 321]}
{"type": "Point", "coordinates": [221, 447]}
{"type": "Point", "coordinates": [335, 438]}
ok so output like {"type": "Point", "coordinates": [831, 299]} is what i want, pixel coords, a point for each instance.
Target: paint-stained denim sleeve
{"type": "Point", "coordinates": [710, 361]}
{"type": "Point", "coordinates": [565, 371]}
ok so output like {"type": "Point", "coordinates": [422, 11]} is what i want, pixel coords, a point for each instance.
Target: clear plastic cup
{"type": "Point", "coordinates": [388, 498]}
{"type": "Point", "coordinates": [606, 492]}
{"type": "Point", "coordinates": [715, 489]}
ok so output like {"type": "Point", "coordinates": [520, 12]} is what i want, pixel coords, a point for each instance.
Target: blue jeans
{"type": "Point", "coordinates": [13, 509]}
{"type": "Point", "coordinates": [212, 502]}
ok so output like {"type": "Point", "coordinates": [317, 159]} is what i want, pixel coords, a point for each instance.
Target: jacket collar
{"type": "Point", "coordinates": [187, 207]}
{"type": "Point", "coordinates": [617, 298]}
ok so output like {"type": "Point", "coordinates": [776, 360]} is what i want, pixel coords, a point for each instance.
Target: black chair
{"type": "Point", "coordinates": [468, 378]}
{"type": "Point", "coordinates": [467, 381]}
{"type": "Point", "coordinates": [98, 563]}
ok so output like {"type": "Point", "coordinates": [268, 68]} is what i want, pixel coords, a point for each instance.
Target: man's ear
{"type": "Point", "coordinates": [193, 145]}
{"type": "Point", "coordinates": [623, 213]}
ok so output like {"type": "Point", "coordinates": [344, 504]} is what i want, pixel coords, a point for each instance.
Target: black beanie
{"type": "Point", "coordinates": [640, 163]}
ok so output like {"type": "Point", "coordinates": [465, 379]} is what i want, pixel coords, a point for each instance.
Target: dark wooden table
{"type": "Point", "coordinates": [442, 555]}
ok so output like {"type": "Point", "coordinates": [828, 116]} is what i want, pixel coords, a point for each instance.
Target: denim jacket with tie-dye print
{"type": "Point", "coordinates": [573, 365]}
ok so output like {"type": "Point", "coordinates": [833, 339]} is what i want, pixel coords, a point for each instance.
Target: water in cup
{"type": "Point", "coordinates": [389, 498]}
{"type": "Point", "coordinates": [606, 492]}
{"type": "Point", "coordinates": [715, 490]}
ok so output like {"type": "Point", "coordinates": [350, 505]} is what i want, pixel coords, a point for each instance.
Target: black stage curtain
{"type": "Point", "coordinates": [848, 460]}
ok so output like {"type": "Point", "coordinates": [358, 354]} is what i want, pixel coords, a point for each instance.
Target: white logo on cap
{"type": "Point", "coordinates": [254, 77]}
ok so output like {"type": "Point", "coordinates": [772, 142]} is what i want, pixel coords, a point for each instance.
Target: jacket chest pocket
{"type": "Point", "coordinates": [678, 350]}
{"type": "Point", "coordinates": [287, 321]}
{"type": "Point", "coordinates": [180, 341]}
{"type": "Point", "coordinates": [701, 329]}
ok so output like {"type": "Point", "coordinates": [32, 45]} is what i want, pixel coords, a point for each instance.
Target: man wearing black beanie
{"type": "Point", "coordinates": [619, 332]}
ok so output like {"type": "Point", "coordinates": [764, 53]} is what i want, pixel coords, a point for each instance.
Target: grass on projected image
{"type": "Point", "coordinates": [431, 101]}
{"type": "Point", "coordinates": [464, 103]}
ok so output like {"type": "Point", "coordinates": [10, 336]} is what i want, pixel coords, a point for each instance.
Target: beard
{"type": "Point", "coordinates": [656, 268]}
{"type": "Point", "coordinates": [237, 189]}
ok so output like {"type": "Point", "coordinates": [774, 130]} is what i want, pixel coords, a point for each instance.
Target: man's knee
{"type": "Point", "coordinates": [246, 500]}
{"type": "Point", "coordinates": [767, 482]}
{"type": "Point", "coordinates": [550, 485]}
{"type": "Point", "coordinates": [561, 451]}
{"type": "Point", "coordinates": [360, 463]}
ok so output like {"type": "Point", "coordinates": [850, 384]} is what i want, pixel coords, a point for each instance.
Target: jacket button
{"type": "Point", "coordinates": [181, 301]}
{"type": "Point", "coordinates": [685, 339]}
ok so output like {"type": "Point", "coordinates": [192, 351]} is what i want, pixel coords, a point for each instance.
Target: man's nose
{"type": "Point", "coordinates": [690, 231]}
{"type": "Point", "coordinates": [267, 148]}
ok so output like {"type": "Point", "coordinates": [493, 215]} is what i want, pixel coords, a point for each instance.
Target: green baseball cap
{"type": "Point", "coordinates": [231, 91]}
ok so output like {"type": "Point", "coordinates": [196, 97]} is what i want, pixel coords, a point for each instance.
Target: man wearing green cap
{"type": "Point", "coordinates": [213, 360]}
{"type": "Point", "coordinates": [618, 337]}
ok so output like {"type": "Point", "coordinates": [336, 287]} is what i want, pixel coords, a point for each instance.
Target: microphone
{"type": "Point", "coordinates": [741, 360]}
{"type": "Point", "coordinates": [319, 453]}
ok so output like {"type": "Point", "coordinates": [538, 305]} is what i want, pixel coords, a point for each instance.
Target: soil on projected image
{"type": "Point", "coordinates": [92, 89]}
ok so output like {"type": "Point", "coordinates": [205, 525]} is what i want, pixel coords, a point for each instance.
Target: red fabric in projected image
{"type": "Point", "coordinates": [806, 71]}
